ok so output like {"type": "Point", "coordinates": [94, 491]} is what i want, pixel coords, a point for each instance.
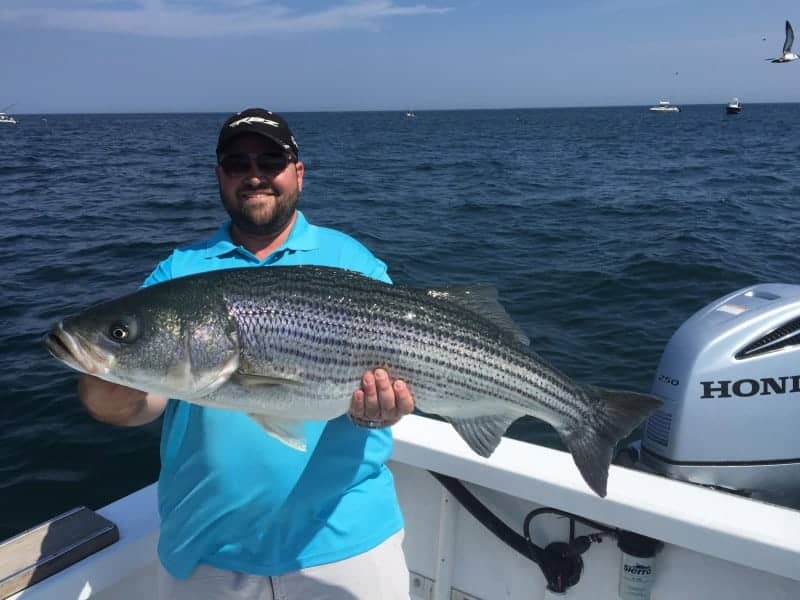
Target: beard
{"type": "Point", "coordinates": [262, 219]}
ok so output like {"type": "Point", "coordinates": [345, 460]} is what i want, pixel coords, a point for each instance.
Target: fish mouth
{"type": "Point", "coordinates": [75, 352]}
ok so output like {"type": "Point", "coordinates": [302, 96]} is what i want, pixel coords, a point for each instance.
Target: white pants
{"type": "Point", "coordinates": [378, 574]}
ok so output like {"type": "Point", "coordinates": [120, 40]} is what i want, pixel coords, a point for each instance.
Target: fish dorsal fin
{"type": "Point", "coordinates": [290, 432]}
{"type": "Point", "coordinates": [482, 299]}
{"type": "Point", "coordinates": [483, 433]}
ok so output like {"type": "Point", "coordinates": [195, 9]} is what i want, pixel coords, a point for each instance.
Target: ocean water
{"type": "Point", "coordinates": [603, 230]}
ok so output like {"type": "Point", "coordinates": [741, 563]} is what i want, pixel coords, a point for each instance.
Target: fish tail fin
{"type": "Point", "coordinates": [616, 413]}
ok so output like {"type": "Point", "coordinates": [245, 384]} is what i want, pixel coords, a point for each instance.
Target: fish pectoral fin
{"type": "Point", "coordinates": [249, 380]}
{"type": "Point", "coordinates": [288, 431]}
{"type": "Point", "coordinates": [483, 433]}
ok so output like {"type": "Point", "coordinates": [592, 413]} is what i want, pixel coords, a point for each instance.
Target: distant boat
{"type": "Point", "coordinates": [6, 118]}
{"type": "Point", "coordinates": [733, 107]}
{"type": "Point", "coordinates": [410, 114]}
{"type": "Point", "coordinates": [665, 106]}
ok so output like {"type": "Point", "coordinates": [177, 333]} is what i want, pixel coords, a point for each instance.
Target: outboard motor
{"type": "Point", "coordinates": [730, 381]}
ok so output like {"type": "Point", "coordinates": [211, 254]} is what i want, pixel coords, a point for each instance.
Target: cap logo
{"type": "Point", "coordinates": [250, 120]}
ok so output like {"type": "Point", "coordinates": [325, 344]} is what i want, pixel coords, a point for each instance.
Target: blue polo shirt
{"type": "Point", "coordinates": [232, 496]}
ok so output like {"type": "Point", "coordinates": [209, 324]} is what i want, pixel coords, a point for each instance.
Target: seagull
{"type": "Point", "coordinates": [788, 55]}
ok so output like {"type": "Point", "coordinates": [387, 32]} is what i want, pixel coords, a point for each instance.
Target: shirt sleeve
{"type": "Point", "coordinates": [357, 257]}
{"type": "Point", "coordinates": [379, 271]}
{"type": "Point", "coordinates": [162, 272]}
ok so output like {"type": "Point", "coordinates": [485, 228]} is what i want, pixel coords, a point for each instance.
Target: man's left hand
{"type": "Point", "coordinates": [380, 402]}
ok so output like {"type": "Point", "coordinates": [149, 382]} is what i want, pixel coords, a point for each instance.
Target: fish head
{"type": "Point", "coordinates": [172, 339]}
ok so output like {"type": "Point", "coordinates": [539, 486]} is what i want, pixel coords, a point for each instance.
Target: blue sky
{"type": "Point", "coordinates": [221, 55]}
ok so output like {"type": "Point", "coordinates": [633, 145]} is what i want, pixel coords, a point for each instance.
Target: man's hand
{"type": "Point", "coordinates": [380, 402]}
{"type": "Point", "coordinates": [118, 404]}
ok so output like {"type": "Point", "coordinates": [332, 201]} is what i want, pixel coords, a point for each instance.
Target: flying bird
{"type": "Point", "coordinates": [788, 55]}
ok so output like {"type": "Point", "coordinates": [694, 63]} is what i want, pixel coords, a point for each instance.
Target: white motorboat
{"type": "Point", "coordinates": [522, 524]}
{"type": "Point", "coordinates": [733, 107]}
{"type": "Point", "coordinates": [716, 545]}
{"type": "Point", "coordinates": [6, 118]}
{"type": "Point", "coordinates": [665, 106]}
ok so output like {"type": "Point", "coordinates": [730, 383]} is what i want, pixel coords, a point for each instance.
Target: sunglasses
{"type": "Point", "coordinates": [240, 163]}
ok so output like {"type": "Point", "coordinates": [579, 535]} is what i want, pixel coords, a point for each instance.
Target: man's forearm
{"type": "Point", "coordinates": [117, 404]}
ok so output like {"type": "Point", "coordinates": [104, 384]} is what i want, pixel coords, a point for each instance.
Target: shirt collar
{"type": "Point", "coordinates": [302, 237]}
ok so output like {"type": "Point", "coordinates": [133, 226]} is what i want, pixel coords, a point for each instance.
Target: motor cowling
{"type": "Point", "coordinates": [730, 381]}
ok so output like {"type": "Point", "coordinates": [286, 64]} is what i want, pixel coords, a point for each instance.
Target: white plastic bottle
{"type": "Point", "coordinates": [637, 567]}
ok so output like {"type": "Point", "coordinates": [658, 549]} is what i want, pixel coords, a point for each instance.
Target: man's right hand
{"type": "Point", "coordinates": [118, 404]}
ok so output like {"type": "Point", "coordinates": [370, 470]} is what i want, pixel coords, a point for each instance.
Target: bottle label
{"type": "Point", "coordinates": [636, 577]}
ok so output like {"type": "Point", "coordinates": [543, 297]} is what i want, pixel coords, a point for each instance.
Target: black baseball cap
{"type": "Point", "coordinates": [262, 122]}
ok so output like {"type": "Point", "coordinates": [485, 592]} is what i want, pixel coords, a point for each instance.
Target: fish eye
{"type": "Point", "coordinates": [122, 331]}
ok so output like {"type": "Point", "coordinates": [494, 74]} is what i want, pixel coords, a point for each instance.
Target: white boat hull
{"type": "Point", "coordinates": [717, 545]}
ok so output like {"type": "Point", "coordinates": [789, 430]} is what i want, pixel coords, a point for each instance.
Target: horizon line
{"type": "Point", "coordinates": [389, 110]}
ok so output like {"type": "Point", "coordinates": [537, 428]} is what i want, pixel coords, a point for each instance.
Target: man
{"type": "Point", "coordinates": [243, 515]}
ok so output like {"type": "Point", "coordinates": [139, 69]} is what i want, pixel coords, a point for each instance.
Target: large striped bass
{"type": "Point", "coordinates": [288, 344]}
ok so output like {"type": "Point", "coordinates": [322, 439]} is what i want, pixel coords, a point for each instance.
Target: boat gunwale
{"type": "Point", "coordinates": [719, 524]}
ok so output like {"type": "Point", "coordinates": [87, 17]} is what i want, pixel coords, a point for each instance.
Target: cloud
{"type": "Point", "coordinates": [197, 18]}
